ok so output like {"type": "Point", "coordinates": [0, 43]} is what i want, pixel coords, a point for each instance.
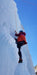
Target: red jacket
{"type": "Point", "coordinates": [21, 36]}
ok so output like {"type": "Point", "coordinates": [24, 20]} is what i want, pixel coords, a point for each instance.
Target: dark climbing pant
{"type": "Point", "coordinates": [19, 44]}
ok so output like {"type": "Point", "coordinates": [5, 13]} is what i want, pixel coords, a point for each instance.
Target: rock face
{"type": "Point", "coordinates": [35, 69]}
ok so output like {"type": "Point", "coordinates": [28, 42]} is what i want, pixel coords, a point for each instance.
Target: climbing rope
{"type": "Point", "coordinates": [29, 2]}
{"type": "Point", "coordinates": [15, 20]}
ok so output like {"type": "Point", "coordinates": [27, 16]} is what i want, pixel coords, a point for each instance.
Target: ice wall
{"type": "Point", "coordinates": [9, 22]}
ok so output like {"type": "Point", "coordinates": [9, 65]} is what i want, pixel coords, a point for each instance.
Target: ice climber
{"type": "Point", "coordinates": [20, 41]}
